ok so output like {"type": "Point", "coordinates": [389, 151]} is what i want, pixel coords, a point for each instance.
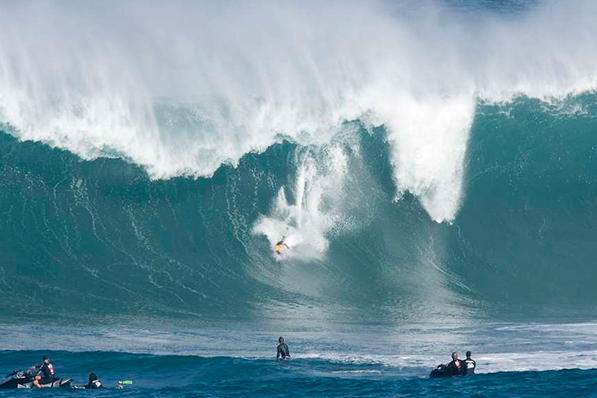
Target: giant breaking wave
{"type": "Point", "coordinates": [416, 155]}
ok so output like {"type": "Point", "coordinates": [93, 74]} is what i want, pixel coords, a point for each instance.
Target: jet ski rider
{"type": "Point", "coordinates": [456, 367]}
{"type": "Point", "coordinates": [469, 364]}
{"type": "Point", "coordinates": [48, 371]}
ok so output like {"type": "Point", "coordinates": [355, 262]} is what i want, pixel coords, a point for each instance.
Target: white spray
{"type": "Point", "coordinates": [182, 87]}
{"type": "Point", "coordinates": [318, 195]}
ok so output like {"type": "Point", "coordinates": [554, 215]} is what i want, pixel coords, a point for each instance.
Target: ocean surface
{"type": "Point", "coordinates": [432, 167]}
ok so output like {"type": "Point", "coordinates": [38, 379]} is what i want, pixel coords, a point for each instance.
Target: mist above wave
{"type": "Point", "coordinates": [182, 87]}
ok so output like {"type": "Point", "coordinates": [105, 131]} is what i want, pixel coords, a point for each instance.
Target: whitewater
{"type": "Point", "coordinates": [432, 166]}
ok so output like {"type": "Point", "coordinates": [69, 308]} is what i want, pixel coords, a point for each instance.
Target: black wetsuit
{"type": "Point", "coordinates": [283, 351]}
{"type": "Point", "coordinates": [455, 368]}
{"type": "Point", "coordinates": [47, 370]}
{"type": "Point", "coordinates": [469, 366]}
{"type": "Point", "coordinates": [94, 384]}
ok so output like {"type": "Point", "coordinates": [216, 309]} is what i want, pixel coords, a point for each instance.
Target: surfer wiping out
{"type": "Point", "coordinates": [280, 246]}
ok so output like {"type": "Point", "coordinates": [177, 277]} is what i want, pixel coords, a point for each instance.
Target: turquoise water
{"type": "Point", "coordinates": [106, 240]}
{"type": "Point", "coordinates": [432, 166]}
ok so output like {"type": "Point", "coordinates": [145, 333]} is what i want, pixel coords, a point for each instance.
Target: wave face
{"type": "Point", "coordinates": [101, 236]}
{"type": "Point", "coordinates": [426, 162]}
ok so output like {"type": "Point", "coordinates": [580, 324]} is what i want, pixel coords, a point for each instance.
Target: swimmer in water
{"type": "Point", "coordinates": [283, 351]}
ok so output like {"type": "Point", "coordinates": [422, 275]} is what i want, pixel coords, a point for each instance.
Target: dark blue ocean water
{"type": "Point", "coordinates": [168, 376]}
{"type": "Point", "coordinates": [235, 360]}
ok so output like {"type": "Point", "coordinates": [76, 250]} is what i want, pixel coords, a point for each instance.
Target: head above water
{"type": "Point", "coordinates": [454, 355]}
{"type": "Point", "coordinates": [281, 340]}
{"type": "Point", "coordinates": [468, 354]}
{"type": "Point", "coordinates": [46, 359]}
{"type": "Point", "coordinates": [92, 377]}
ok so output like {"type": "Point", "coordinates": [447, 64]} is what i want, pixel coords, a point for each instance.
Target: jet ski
{"type": "Point", "coordinates": [441, 371]}
{"type": "Point", "coordinates": [24, 379]}
{"type": "Point", "coordinates": [16, 379]}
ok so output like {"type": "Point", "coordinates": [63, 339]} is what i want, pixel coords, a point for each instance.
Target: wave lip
{"type": "Point", "coordinates": [161, 86]}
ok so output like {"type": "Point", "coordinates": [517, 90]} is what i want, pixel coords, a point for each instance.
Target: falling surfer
{"type": "Point", "coordinates": [280, 246]}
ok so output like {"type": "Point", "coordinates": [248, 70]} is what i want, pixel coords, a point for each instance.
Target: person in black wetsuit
{"type": "Point", "coordinates": [469, 364]}
{"type": "Point", "coordinates": [48, 371]}
{"type": "Point", "coordinates": [94, 382]}
{"type": "Point", "coordinates": [456, 367]}
{"type": "Point", "coordinates": [283, 351]}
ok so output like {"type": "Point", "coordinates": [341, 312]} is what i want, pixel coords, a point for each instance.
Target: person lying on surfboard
{"type": "Point", "coordinates": [280, 246]}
